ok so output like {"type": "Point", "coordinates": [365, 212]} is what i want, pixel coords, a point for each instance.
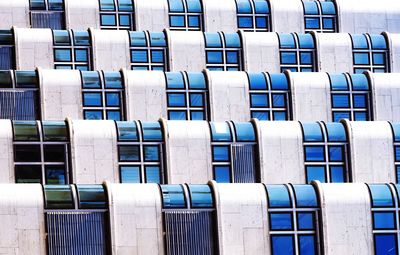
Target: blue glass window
{"type": "Point", "coordinates": [320, 16]}
{"type": "Point", "coordinates": [117, 14]}
{"type": "Point", "coordinates": [269, 95]}
{"type": "Point", "coordinates": [140, 150]}
{"type": "Point", "coordinates": [284, 207]}
{"type": "Point", "coordinates": [47, 14]}
{"type": "Point", "coordinates": [396, 147]}
{"type": "Point", "coordinates": [325, 148]}
{"type": "Point", "coordinates": [223, 51]}
{"type": "Point", "coordinates": [385, 217]}
{"type": "Point", "coordinates": [102, 97]}
{"type": "Point", "coordinates": [370, 53]}
{"type": "Point", "coordinates": [297, 52]}
{"type": "Point", "coordinates": [7, 49]}
{"type": "Point", "coordinates": [187, 95]}
{"type": "Point", "coordinates": [148, 50]}
{"type": "Point", "coordinates": [253, 15]}
{"type": "Point", "coordinates": [186, 15]}
{"type": "Point", "coordinates": [350, 95]}
{"type": "Point", "coordinates": [41, 149]}
{"type": "Point", "coordinates": [72, 50]}
{"type": "Point", "coordinates": [201, 196]}
{"type": "Point", "coordinates": [233, 151]}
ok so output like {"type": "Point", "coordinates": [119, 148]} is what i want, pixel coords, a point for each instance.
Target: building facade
{"type": "Point", "coordinates": [199, 127]}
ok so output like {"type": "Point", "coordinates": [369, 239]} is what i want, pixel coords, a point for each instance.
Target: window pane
{"type": "Point", "coordinates": [177, 115]}
{"type": "Point", "coordinates": [384, 220]}
{"type": "Point", "coordinates": [176, 99]}
{"type": "Point", "coordinates": [27, 153]}
{"type": "Point", "coordinates": [281, 221]}
{"type": "Point", "coordinates": [359, 41]}
{"type": "Point", "coordinates": [196, 100]}
{"type": "Point", "coordinates": [310, 7]}
{"type": "Point", "coordinates": [108, 19]}
{"type": "Point", "coordinates": [54, 131]}
{"type": "Point", "coordinates": [305, 196]}
{"type": "Point", "coordinates": [112, 99]}
{"type": "Point", "coordinates": [336, 153]}
{"type": "Point", "coordinates": [25, 131]}
{"type": "Point", "coordinates": [336, 132]}
{"type": "Point", "coordinates": [282, 245]}
{"type": "Point", "coordinates": [127, 131]}
{"type": "Point", "coordinates": [92, 99]}
{"type": "Point", "coordinates": [221, 153]}
{"type": "Point", "coordinates": [312, 132]}
{"type": "Point", "coordinates": [337, 174]}
{"type": "Point", "coordinates": [279, 81]}
{"type": "Point", "coordinates": [279, 100]}
{"type": "Point", "coordinates": [307, 244]}
{"type": "Point", "coordinates": [214, 57]}
{"type": "Point", "coordinates": [288, 58]}
{"type": "Point", "coordinates": [314, 153]}
{"type": "Point", "coordinates": [28, 174]}
{"type": "Point", "coordinates": [130, 174]}
{"type": "Point", "coordinates": [245, 22]}
{"type": "Point", "coordinates": [305, 220]}
{"type": "Point", "coordinates": [244, 131]}
{"type": "Point", "coordinates": [278, 196]}
{"type": "Point", "coordinates": [361, 59]}
{"type": "Point", "coordinates": [385, 244]}
{"type": "Point", "coordinates": [381, 195]}
{"type": "Point", "coordinates": [286, 41]}
{"type": "Point", "coordinates": [174, 80]}
{"type": "Point", "coordinates": [129, 153]}
{"type": "Point", "coordinates": [213, 40]}
{"type": "Point", "coordinates": [151, 153]}
{"type": "Point", "coordinates": [58, 197]}
{"type": "Point", "coordinates": [306, 41]}
{"type": "Point", "coordinates": [257, 81]}
{"type": "Point", "coordinates": [54, 153]}
{"type": "Point", "coordinates": [201, 196]}
{"type": "Point", "coordinates": [312, 23]}
{"type": "Point", "coordinates": [55, 175]}
{"type": "Point", "coordinates": [259, 100]}
{"type": "Point", "coordinates": [177, 21]}
{"type": "Point", "coordinates": [62, 55]}
{"type": "Point", "coordinates": [151, 131]}
{"type": "Point", "coordinates": [91, 196]}
{"type": "Point", "coordinates": [222, 174]}
{"type": "Point", "coordinates": [196, 80]}
{"type": "Point", "coordinates": [152, 174]}
{"type": "Point", "coordinates": [220, 131]}
{"type": "Point", "coordinates": [173, 196]}
{"type": "Point", "coordinates": [315, 173]}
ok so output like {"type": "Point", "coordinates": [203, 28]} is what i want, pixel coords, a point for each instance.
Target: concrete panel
{"type": "Point", "coordinates": [188, 152]}
{"type": "Point", "coordinates": [281, 151]}
{"type": "Point", "coordinates": [60, 97]}
{"type": "Point", "coordinates": [110, 49]}
{"type": "Point", "coordinates": [34, 48]}
{"type": "Point", "coordinates": [229, 96]}
{"type": "Point", "coordinates": [220, 16]}
{"type": "Point", "coordinates": [311, 96]}
{"type": "Point", "coordinates": [385, 96]}
{"type": "Point", "coordinates": [22, 219]}
{"type": "Point", "coordinates": [368, 16]}
{"type": "Point", "coordinates": [371, 149]}
{"type": "Point", "coordinates": [261, 52]}
{"type": "Point", "coordinates": [287, 16]}
{"type": "Point", "coordinates": [94, 151]}
{"type": "Point", "coordinates": [6, 153]}
{"type": "Point", "coordinates": [136, 219]}
{"type": "Point", "coordinates": [151, 15]}
{"type": "Point", "coordinates": [334, 52]}
{"type": "Point", "coordinates": [242, 219]}
{"type": "Point", "coordinates": [186, 51]}
{"type": "Point", "coordinates": [81, 15]}
{"type": "Point", "coordinates": [14, 13]}
{"type": "Point", "coordinates": [394, 49]}
{"type": "Point", "coordinates": [346, 219]}
{"type": "Point", "coordinates": [145, 95]}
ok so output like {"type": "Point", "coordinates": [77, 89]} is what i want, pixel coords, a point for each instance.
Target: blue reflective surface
{"type": "Point", "coordinates": [281, 221]}
{"type": "Point", "coordinates": [173, 196]}
{"type": "Point", "coordinates": [381, 195]}
{"type": "Point", "coordinates": [286, 41]}
{"type": "Point", "coordinates": [127, 131]}
{"type": "Point", "coordinates": [305, 196]}
{"type": "Point", "coordinates": [220, 153]}
{"type": "Point", "coordinates": [213, 40]}
{"type": "Point", "coordinates": [307, 244]}
{"type": "Point", "coordinates": [222, 174]}
{"type": "Point", "coordinates": [152, 174]}
{"type": "Point", "coordinates": [244, 131]}
{"type": "Point", "coordinates": [315, 173]}
{"type": "Point", "coordinates": [314, 153]}
{"type": "Point", "coordinates": [305, 220]}
{"type": "Point", "coordinates": [385, 244]}
{"type": "Point", "coordinates": [151, 131]}
{"type": "Point", "coordinates": [130, 174]}
{"type": "Point", "coordinates": [220, 131]}
{"type": "Point", "coordinates": [359, 41]}
{"type": "Point", "coordinates": [336, 153]}
{"type": "Point", "coordinates": [384, 220]}
{"type": "Point", "coordinates": [201, 196]}
{"type": "Point", "coordinates": [336, 132]}
{"type": "Point", "coordinates": [196, 80]}
{"type": "Point", "coordinates": [312, 132]}
{"type": "Point", "coordinates": [278, 196]}
{"type": "Point", "coordinates": [282, 245]}
{"type": "Point", "coordinates": [257, 81]}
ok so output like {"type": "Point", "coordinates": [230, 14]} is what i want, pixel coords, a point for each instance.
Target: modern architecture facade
{"type": "Point", "coordinates": [199, 127]}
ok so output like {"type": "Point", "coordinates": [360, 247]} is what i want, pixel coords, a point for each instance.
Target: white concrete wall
{"type": "Point", "coordinates": [371, 150]}
{"type": "Point", "coordinates": [60, 94]}
{"type": "Point", "coordinates": [14, 13]}
{"type": "Point", "coordinates": [368, 16]}
{"type": "Point", "coordinates": [261, 52]}
{"type": "Point", "coordinates": [334, 52]}
{"type": "Point", "coordinates": [242, 219]}
{"type": "Point", "coordinates": [110, 49]}
{"type": "Point", "coordinates": [186, 50]}
{"type": "Point", "coordinates": [229, 96]}
{"type": "Point", "coordinates": [311, 98]}
{"type": "Point", "coordinates": [146, 95]}
{"type": "Point", "coordinates": [34, 48]}
{"type": "Point", "coordinates": [22, 219]}
{"type": "Point", "coordinates": [82, 14]}
{"type": "Point", "coordinates": [94, 151]}
{"type": "Point", "coordinates": [151, 15]}
{"type": "Point", "coordinates": [287, 16]}
{"type": "Point", "coordinates": [346, 219]}
{"type": "Point", "coordinates": [385, 90]}
{"type": "Point", "coordinates": [394, 50]}
{"type": "Point", "coordinates": [220, 16]}
{"type": "Point", "coordinates": [6, 155]}
{"type": "Point", "coordinates": [188, 152]}
{"type": "Point", "coordinates": [281, 151]}
{"type": "Point", "coordinates": [136, 219]}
